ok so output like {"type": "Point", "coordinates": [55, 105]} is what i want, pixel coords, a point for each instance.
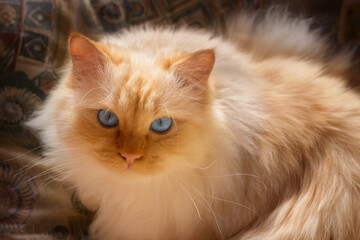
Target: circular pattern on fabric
{"type": "Point", "coordinates": [59, 232]}
{"type": "Point", "coordinates": [111, 14]}
{"type": "Point", "coordinates": [78, 206]}
{"type": "Point", "coordinates": [17, 104]}
{"type": "Point", "coordinates": [137, 9]}
{"type": "Point", "coordinates": [17, 196]}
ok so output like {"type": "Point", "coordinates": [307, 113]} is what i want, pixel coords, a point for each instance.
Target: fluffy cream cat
{"type": "Point", "coordinates": [183, 134]}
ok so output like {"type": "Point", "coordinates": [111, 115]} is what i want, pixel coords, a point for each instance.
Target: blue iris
{"type": "Point", "coordinates": [107, 118]}
{"type": "Point", "coordinates": [161, 125]}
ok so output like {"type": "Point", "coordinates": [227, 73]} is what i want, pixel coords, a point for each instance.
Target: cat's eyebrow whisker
{"type": "Point", "coordinates": [88, 102]}
{"type": "Point", "coordinates": [87, 93]}
{"type": "Point", "coordinates": [108, 109]}
{"type": "Point", "coordinates": [185, 95]}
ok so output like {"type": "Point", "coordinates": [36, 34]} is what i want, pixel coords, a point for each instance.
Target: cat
{"type": "Point", "coordinates": [177, 133]}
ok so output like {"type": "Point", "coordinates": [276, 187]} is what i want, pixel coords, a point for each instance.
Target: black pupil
{"type": "Point", "coordinates": [108, 115]}
{"type": "Point", "coordinates": [105, 117]}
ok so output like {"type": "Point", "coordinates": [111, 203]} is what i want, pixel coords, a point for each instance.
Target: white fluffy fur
{"type": "Point", "coordinates": [200, 202]}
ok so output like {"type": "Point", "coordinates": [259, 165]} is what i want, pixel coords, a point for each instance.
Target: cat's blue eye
{"type": "Point", "coordinates": [161, 125]}
{"type": "Point", "coordinates": [107, 118]}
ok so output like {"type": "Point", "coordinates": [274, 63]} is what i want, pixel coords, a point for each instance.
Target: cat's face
{"type": "Point", "coordinates": [137, 113]}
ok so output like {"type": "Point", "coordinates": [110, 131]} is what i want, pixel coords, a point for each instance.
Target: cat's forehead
{"type": "Point", "coordinates": [139, 85]}
{"type": "Point", "coordinates": [142, 80]}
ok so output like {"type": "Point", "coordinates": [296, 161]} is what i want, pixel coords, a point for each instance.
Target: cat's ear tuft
{"type": "Point", "coordinates": [195, 69]}
{"type": "Point", "coordinates": [88, 60]}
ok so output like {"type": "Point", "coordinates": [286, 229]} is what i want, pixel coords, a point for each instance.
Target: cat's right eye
{"type": "Point", "coordinates": [107, 118]}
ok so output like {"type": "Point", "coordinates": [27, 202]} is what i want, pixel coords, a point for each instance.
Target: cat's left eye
{"type": "Point", "coordinates": [107, 118]}
{"type": "Point", "coordinates": [161, 125]}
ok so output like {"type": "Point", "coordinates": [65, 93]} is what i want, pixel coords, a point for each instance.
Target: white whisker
{"type": "Point", "coordinates": [193, 201]}
{"type": "Point", "coordinates": [236, 203]}
{"type": "Point", "coordinates": [87, 93]}
{"type": "Point", "coordinates": [234, 174]}
{"type": "Point", "coordinates": [22, 154]}
{"type": "Point", "coordinates": [204, 168]}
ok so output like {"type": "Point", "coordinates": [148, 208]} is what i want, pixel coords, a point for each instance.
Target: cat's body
{"type": "Point", "coordinates": [266, 146]}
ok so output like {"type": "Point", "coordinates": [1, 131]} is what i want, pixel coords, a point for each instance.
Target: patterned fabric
{"type": "Point", "coordinates": [33, 38]}
{"type": "Point", "coordinates": [33, 205]}
{"type": "Point", "coordinates": [31, 48]}
{"type": "Point", "coordinates": [350, 24]}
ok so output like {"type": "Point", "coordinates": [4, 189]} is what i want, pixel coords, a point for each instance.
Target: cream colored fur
{"type": "Point", "coordinates": [275, 154]}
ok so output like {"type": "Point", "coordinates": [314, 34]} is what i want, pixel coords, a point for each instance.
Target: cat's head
{"type": "Point", "coordinates": [136, 112]}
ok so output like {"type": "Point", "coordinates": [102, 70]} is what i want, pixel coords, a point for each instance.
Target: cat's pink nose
{"type": "Point", "coordinates": [130, 158]}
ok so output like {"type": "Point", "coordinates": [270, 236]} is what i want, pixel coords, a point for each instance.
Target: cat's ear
{"type": "Point", "coordinates": [194, 70]}
{"type": "Point", "coordinates": [88, 60]}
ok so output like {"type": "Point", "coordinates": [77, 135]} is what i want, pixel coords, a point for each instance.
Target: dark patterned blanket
{"type": "Point", "coordinates": [33, 39]}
